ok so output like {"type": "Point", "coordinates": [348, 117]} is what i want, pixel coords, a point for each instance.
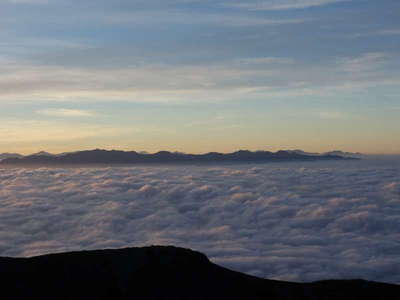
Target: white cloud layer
{"type": "Point", "coordinates": [287, 221]}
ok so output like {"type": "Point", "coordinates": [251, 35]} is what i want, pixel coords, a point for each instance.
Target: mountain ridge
{"type": "Point", "coordinates": [161, 272]}
{"type": "Point", "coordinates": [99, 156]}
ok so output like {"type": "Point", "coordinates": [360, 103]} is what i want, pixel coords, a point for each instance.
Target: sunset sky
{"type": "Point", "coordinates": [200, 75]}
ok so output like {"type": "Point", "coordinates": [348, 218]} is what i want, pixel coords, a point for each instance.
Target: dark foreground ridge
{"type": "Point", "coordinates": [158, 272]}
{"type": "Point", "coordinates": [99, 156]}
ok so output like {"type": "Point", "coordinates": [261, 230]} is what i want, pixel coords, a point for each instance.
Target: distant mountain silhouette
{"type": "Point", "coordinates": [335, 152]}
{"type": "Point", "coordinates": [98, 156]}
{"type": "Point", "coordinates": [42, 153]}
{"type": "Point", "coordinates": [154, 273]}
{"type": "Point", "coordinates": [344, 154]}
{"type": "Point", "coordinates": [298, 151]}
{"type": "Point", "coordinates": [9, 155]}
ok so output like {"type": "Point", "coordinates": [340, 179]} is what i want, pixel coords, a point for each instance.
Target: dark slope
{"type": "Point", "coordinates": [123, 157]}
{"type": "Point", "coordinates": [160, 273]}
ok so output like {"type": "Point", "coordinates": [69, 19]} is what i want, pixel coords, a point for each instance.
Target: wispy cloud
{"type": "Point", "coordinates": [333, 115]}
{"type": "Point", "coordinates": [388, 32]}
{"type": "Point", "coordinates": [282, 4]}
{"type": "Point", "coordinates": [252, 78]}
{"type": "Point", "coordinates": [383, 32]}
{"type": "Point", "coordinates": [64, 112]}
{"type": "Point", "coordinates": [27, 1]}
{"type": "Point", "coordinates": [179, 17]}
{"type": "Point", "coordinates": [266, 60]}
{"type": "Point", "coordinates": [44, 131]}
{"type": "Point", "coordinates": [366, 62]}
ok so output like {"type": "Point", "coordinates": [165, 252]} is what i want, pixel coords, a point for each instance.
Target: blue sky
{"type": "Point", "coordinates": [200, 76]}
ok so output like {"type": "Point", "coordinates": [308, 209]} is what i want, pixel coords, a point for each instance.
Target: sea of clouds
{"type": "Point", "coordinates": [293, 221]}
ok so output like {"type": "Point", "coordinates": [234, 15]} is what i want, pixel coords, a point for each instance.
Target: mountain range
{"type": "Point", "coordinates": [161, 272]}
{"type": "Point", "coordinates": [99, 156]}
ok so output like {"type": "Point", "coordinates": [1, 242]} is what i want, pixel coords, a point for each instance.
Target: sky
{"type": "Point", "coordinates": [200, 75]}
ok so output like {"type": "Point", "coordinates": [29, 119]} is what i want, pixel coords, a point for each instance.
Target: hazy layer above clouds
{"type": "Point", "coordinates": [303, 221]}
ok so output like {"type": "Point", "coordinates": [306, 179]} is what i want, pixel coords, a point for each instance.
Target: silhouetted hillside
{"type": "Point", "coordinates": [157, 272]}
{"type": "Point", "coordinates": [131, 157]}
